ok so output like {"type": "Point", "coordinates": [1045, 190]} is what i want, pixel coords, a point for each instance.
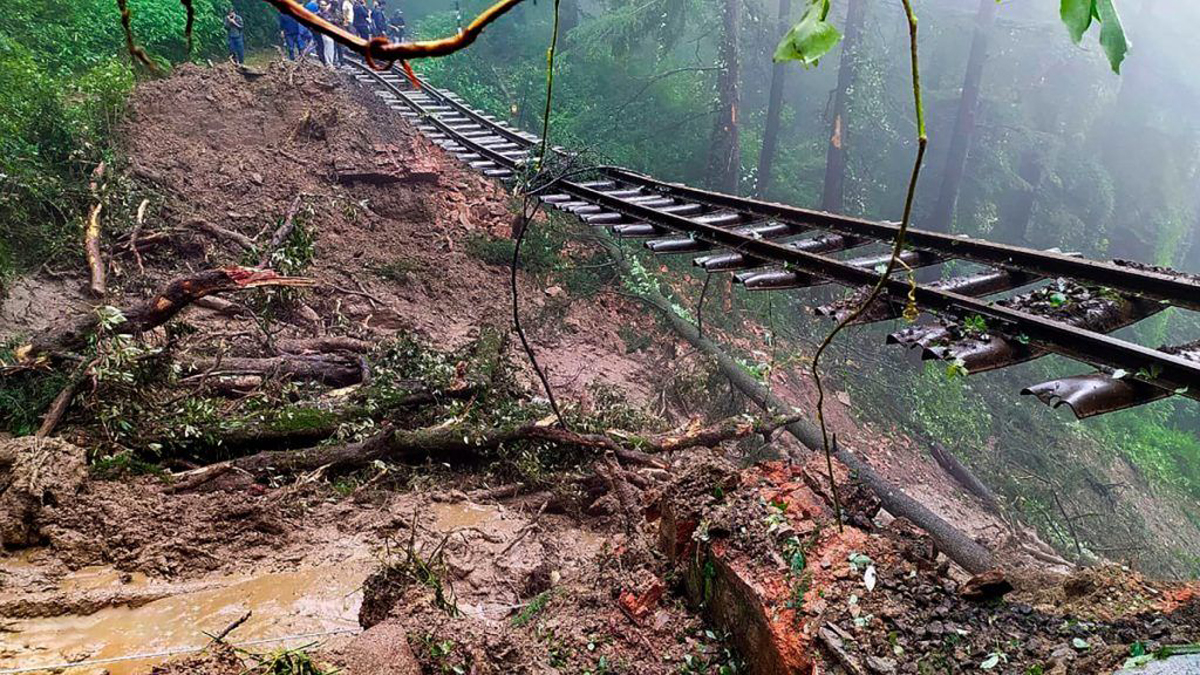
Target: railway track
{"type": "Point", "coordinates": [1070, 306]}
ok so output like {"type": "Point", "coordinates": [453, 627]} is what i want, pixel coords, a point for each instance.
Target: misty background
{"type": "Point", "coordinates": [1033, 141]}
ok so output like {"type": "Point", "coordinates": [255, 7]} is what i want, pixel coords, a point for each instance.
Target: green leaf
{"type": "Point", "coordinates": [1079, 643]}
{"type": "Point", "coordinates": [990, 662]}
{"type": "Point", "coordinates": [1112, 35]}
{"type": "Point", "coordinates": [811, 38]}
{"type": "Point", "coordinates": [1077, 14]}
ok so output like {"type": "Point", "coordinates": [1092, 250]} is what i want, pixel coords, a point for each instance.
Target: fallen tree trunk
{"type": "Point", "coordinates": [330, 369]}
{"type": "Point", "coordinates": [959, 547]}
{"type": "Point", "coordinates": [965, 477]}
{"type": "Point", "coordinates": [160, 308]}
{"type": "Point", "coordinates": [454, 444]}
{"type": "Point", "coordinates": [323, 345]}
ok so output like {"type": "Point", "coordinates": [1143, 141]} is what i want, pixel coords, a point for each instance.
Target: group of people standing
{"type": "Point", "coordinates": [298, 41]}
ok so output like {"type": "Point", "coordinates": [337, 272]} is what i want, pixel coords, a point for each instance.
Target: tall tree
{"type": "Point", "coordinates": [964, 125]}
{"type": "Point", "coordinates": [766, 157]}
{"type": "Point", "coordinates": [833, 194]}
{"type": "Point", "coordinates": [724, 159]}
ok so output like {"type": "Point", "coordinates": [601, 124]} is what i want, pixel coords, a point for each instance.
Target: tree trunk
{"type": "Point", "coordinates": [833, 194]}
{"type": "Point", "coordinates": [959, 547]}
{"type": "Point", "coordinates": [964, 126]}
{"type": "Point", "coordinates": [1015, 215]}
{"type": "Point", "coordinates": [766, 158]}
{"type": "Point", "coordinates": [724, 161]}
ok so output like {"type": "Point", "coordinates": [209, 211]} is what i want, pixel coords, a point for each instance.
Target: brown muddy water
{"type": "Point", "coordinates": [302, 602]}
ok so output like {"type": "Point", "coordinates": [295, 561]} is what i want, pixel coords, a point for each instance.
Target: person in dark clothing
{"type": "Point", "coordinates": [378, 19]}
{"type": "Point", "coordinates": [237, 41]}
{"type": "Point", "coordinates": [362, 19]}
{"type": "Point", "coordinates": [397, 26]}
{"type": "Point", "coordinates": [289, 30]}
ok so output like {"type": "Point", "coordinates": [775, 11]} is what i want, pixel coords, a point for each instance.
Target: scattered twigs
{"type": "Point", "coordinates": [281, 234]}
{"type": "Point", "coordinates": [897, 249]}
{"type": "Point", "coordinates": [91, 236]}
{"type": "Point", "coordinates": [380, 49]}
{"type": "Point", "coordinates": [137, 231]}
{"type": "Point", "coordinates": [221, 233]}
{"type": "Point", "coordinates": [220, 637]}
{"type": "Point", "coordinates": [526, 529]}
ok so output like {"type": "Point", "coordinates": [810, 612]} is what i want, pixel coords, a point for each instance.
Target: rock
{"type": "Point", "coordinates": [380, 650]}
{"type": "Point", "coordinates": [989, 585]}
{"type": "Point", "coordinates": [881, 665]}
{"type": "Point", "coordinates": [36, 475]}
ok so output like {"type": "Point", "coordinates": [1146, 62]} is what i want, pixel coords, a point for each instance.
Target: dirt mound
{"type": "Point", "coordinates": [36, 474]}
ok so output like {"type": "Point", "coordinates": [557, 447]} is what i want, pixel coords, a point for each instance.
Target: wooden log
{"type": "Point", "coordinates": [91, 238]}
{"type": "Point", "coordinates": [965, 477]}
{"type": "Point", "coordinates": [333, 370]}
{"type": "Point", "coordinates": [323, 345]}
{"type": "Point", "coordinates": [157, 310]}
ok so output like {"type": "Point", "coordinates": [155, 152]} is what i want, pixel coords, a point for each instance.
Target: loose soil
{"type": "Point", "coordinates": [519, 584]}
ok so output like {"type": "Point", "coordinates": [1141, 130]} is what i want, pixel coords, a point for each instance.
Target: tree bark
{"type": "Point", "coordinates": [964, 125]}
{"type": "Point", "coordinates": [330, 369]}
{"type": "Point", "coordinates": [833, 192]}
{"type": "Point", "coordinates": [724, 160]}
{"type": "Point", "coordinates": [162, 307]}
{"type": "Point", "coordinates": [766, 157]}
{"type": "Point", "coordinates": [97, 285]}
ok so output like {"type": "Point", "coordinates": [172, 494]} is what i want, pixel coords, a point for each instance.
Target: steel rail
{"type": "Point", "coordinates": [1177, 291]}
{"type": "Point", "coordinates": [1165, 371]}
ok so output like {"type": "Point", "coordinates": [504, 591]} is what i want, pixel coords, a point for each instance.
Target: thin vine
{"type": "Point", "coordinates": [527, 216]}
{"type": "Point", "coordinates": [893, 262]}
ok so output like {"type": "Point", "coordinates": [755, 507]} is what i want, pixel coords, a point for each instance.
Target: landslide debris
{"type": "Point", "coordinates": [36, 475]}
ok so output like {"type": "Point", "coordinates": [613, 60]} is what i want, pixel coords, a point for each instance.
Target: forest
{"type": "Point", "coordinates": [599, 336]}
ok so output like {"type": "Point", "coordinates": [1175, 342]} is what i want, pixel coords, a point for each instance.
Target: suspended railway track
{"type": "Point", "coordinates": [1072, 310]}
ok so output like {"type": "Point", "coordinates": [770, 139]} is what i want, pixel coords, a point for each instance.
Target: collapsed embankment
{"type": "Point", "coordinates": [531, 555]}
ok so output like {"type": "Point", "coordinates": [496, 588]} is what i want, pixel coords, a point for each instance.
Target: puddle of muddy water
{"type": "Point", "coordinates": [306, 601]}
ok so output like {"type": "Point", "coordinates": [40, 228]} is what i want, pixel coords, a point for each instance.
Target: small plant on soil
{"type": "Point", "coordinates": [533, 609]}
{"type": "Point", "coordinates": [286, 662]}
{"type": "Point", "coordinates": [442, 654]}
{"type": "Point", "coordinates": [398, 270]}
{"type": "Point", "coordinates": [411, 566]}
